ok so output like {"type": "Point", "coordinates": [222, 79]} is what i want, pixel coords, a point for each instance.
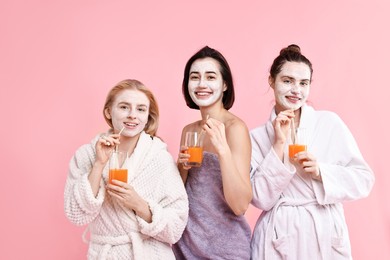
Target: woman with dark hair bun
{"type": "Point", "coordinates": [301, 194]}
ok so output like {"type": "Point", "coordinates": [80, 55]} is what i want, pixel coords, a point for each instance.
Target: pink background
{"type": "Point", "coordinates": [58, 59]}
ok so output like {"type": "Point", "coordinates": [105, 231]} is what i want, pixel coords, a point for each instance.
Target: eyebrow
{"type": "Point", "coordinates": [207, 72]}
{"type": "Point", "coordinates": [128, 104]}
{"type": "Point", "coordinates": [289, 77]}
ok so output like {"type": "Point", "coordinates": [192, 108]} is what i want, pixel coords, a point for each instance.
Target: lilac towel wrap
{"type": "Point", "coordinates": [213, 230]}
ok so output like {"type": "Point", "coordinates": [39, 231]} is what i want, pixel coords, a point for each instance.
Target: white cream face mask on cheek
{"type": "Point", "coordinates": [287, 100]}
{"type": "Point", "coordinates": [130, 110]}
{"type": "Point", "coordinates": [205, 84]}
{"type": "Point", "coordinates": [133, 126]}
{"type": "Point", "coordinates": [291, 94]}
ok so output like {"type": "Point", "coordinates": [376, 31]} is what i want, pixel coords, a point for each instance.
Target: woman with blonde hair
{"type": "Point", "coordinates": [140, 218]}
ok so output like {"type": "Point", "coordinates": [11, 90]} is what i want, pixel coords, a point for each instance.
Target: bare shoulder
{"type": "Point", "coordinates": [234, 124]}
{"type": "Point", "coordinates": [192, 127]}
{"type": "Point", "coordinates": [237, 135]}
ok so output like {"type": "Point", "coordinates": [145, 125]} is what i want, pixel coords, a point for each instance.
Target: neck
{"type": "Point", "coordinates": [128, 144]}
{"type": "Point", "coordinates": [212, 111]}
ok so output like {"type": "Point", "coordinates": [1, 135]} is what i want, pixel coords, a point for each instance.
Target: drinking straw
{"type": "Point", "coordinates": [121, 130]}
{"type": "Point", "coordinates": [293, 130]}
{"type": "Point", "coordinates": [116, 146]}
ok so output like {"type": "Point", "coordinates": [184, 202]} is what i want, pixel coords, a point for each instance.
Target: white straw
{"type": "Point", "coordinates": [293, 131]}
{"type": "Point", "coordinates": [116, 146]}
{"type": "Point", "coordinates": [121, 130]}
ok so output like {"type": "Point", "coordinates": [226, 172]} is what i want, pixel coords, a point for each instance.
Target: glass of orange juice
{"type": "Point", "coordinates": [299, 144]}
{"type": "Point", "coordinates": [118, 170]}
{"type": "Point", "coordinates": [194, 143]}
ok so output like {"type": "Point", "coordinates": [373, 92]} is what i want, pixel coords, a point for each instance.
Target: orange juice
{"type": "Point", "coordinates": [295, 148]}
{"type": "Point", "coordinates": [196, 156]}
{"type": "Point", "coordinates": [117, 174]}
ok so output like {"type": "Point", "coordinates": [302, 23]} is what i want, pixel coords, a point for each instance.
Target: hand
{"type": "Point", "coordinates": [125, 193]}
{"type": "Point", "coordinates": [308, 163]}
{"type": "Point", "coordinates": [183, 157]}
{"type": "Point", "coordinates": [282, 126]}
{"type": "Point", "coordinates": [216, 132]}
{"type": "Point", "coordinates": [104, 147]}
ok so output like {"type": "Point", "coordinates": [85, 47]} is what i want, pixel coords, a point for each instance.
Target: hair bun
{"type": "Point", "coordinates": [291, 48]}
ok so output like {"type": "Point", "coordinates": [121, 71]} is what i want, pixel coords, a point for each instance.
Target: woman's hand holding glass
{"type": "Point", "coordinates": [126, 194]}
{"type": "Point", "coordinates": [309, 164]}
{"type": "Point", "coordinates": [184, 156]}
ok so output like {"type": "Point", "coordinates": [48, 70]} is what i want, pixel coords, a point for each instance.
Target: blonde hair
{"type": "Point", "coordinates": [152, 125]}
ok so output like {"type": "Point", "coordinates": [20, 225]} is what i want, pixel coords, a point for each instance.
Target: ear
{"type": "Point", "coordinates": [224, 87]}
{"type": "Point", "coordinates": [107, 113]}
{"type": "Point", "coordinates": [271, 82]}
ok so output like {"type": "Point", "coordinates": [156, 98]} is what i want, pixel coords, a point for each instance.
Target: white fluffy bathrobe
{"type": "Point", "coordinates": [116, 232]}
{"type": "Point", "coordinates": [303, 218]}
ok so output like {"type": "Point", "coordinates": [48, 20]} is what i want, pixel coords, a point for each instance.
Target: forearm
{"type": "Point", "coordinates": [183, 172]}
{"type": "Point", "coordinates": [143, 211]}
{"type": "Point", "coordinates": [236, 186]}
{"type": "Point", "coordinates": [95, 177]}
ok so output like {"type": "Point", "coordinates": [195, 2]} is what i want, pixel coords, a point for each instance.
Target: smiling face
{"type": "Point", "coordinates": [130, 109]}
{"type": "Point", "coordinates": [291, 86]}
{"type": "Point", "coordinates": [205, 83]}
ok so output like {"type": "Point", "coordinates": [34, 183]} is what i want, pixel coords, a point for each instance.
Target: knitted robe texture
{"type": "Point", "coordinates": [115, 231]}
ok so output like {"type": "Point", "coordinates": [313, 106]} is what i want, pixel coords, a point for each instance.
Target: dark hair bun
{"type": "Point", "coordinates": [291, 48]}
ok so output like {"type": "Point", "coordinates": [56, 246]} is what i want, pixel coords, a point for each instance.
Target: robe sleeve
{"type": "Point", "coordinates": [345, 174]}
{"type": "Point", "coordinates": [269, 176]}
{"type": "Point", "coordinates": [170, 213]}
{"type": "Point", "coordinates": [80, 204]}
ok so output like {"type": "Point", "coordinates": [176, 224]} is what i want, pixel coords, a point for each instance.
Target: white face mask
{"type": "Point", "coordinates": [291, 86]}
{"type": "Point", "coordinates": [205, 83]}
{"type": "Point", "coordinates": [130, 109]}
